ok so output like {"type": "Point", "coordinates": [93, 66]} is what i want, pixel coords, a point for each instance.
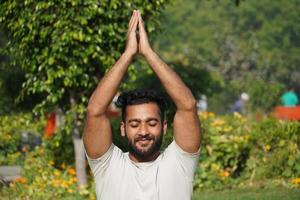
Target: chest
{"type": "Point", "coordinates": [155, 182]}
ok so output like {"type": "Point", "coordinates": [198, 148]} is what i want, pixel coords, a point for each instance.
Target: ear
{"type": "Point", "coordinates": [122, 128]}
{"type": "Point", "coordinates": [165, 127]}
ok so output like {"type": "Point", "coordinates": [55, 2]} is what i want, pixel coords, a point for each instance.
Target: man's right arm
{"type": "Point", "coordinates": [97, 137]}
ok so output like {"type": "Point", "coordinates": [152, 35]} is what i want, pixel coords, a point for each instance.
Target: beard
{"type": "Point", "coordinates": [146, 153]}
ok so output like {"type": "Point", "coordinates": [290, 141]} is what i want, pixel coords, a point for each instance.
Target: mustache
{"type": "Point", "coordinates": [144, 137]}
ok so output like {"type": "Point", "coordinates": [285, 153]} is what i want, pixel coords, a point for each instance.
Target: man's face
{"type": "Point", "coordinates": [143, 130]}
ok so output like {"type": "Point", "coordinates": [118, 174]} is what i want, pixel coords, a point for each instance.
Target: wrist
{"type": "Point", "coordinates": [128, 55]}
{"type": "Point", "coordinates": [149, 53]}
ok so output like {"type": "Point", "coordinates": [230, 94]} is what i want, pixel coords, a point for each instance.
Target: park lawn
{"type": "Point", "coordinates": [279, 193]}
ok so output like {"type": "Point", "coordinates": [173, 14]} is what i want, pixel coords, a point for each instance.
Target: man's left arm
{"type": "Point", "coordinates": [186, 122]}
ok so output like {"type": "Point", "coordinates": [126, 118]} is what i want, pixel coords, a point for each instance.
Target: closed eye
{"type": "Point", "coordinates": [134, 124]}
{"type": "Point", "coordinates": [152, 123]}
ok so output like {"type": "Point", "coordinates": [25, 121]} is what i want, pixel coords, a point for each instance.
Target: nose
{"type": "Point", "coordinates": [144, 129]}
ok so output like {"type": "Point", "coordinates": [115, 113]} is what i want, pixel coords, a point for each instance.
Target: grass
{"type": "Point", "coordinates": [279, 193]}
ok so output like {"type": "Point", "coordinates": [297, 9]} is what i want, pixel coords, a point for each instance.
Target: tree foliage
{"type": "Point", "coordinates": [252, 47]}
{"type": "Point", "coordinates": [66, 46]}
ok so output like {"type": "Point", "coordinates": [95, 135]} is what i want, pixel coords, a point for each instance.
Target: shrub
{"type": "Point", "coordinates": [275, 151]}
{"type": "Point", "coordinates": [18, 134]}
{"type": "Point", "coordinates": [236, 150]}
{"type": "Point", "coordinates": [42, 180]}
{"type": "Point", "coordinates": [225, 148]}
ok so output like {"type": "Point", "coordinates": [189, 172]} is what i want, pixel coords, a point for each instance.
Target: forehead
{"type": "Point", "coordinates": [142, 111]}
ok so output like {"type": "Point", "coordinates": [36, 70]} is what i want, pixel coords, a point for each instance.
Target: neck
{"type": "Point", "coordinates": [139, 159]}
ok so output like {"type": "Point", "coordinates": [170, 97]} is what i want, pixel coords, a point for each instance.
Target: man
{"type": "Point", "coordinates": [144, 173]}
{"type": "Point", "coordinates": [289, 98]}
{"type": "Point", "coordinates": [239, 105]}
{"type": "Point", "coordinates": [202, 104]}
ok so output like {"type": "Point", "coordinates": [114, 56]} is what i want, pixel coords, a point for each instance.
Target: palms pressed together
{"type": "Point", "coordinates": [137, 39]}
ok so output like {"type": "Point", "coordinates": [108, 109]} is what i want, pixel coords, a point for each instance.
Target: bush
{"type": "Point", "coordinates": [18, 134]}
{"type": "Point", "coordinates": [236, 150]}
{"type": "Point", "coordinates": [42, 180]}
{"type": "Point", "coordinates": [275, 151]}
{"type": "Point", "coordinates": [225, 148]}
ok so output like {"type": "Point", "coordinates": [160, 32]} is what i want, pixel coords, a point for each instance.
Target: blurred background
{"type": "Point", "coordinates": [240, 59]}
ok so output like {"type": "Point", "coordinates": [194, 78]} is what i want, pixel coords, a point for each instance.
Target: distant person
{"type": "Point", "coordinates": [239, 105]}
{"type": "Point", "coordinates": [202, 104]}
{"type": "Point", "coordinates": [289, 98]}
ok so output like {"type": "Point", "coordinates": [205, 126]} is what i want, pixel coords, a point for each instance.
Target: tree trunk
{"type": "Point", "coordinates": [80, 162]}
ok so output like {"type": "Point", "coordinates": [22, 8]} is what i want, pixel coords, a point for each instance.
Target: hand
{"type": "Point", "coordinates": [144, 46]}
{"type": "Point", "coordinates": [132, 43]}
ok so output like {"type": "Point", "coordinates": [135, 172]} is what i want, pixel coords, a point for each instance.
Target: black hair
{"type": "Point", "coordinates": [141, 96]}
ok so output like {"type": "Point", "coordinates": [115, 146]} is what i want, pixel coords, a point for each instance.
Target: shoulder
{"type": "Point", "coordinates": [175, 158]}
{"type": "Point", "coordinates": [174, 148]}
{"type": "Point", "coordinates": [112, 157]}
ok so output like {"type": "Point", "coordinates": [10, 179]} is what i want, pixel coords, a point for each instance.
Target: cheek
{"type": "Point", "coordinates": [130, 132]}
{"type": "Point", "coordinates": [155, 130]}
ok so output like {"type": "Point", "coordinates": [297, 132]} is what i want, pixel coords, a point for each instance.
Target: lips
{"type": "Point", "coordinates": [143, 141]}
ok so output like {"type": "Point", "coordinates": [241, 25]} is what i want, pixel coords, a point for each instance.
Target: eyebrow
{"type": "Point", "coordinates": [147, 120]}
{"type": "Point", "coordinates": [134, 120]}
{"type": "Point", "coordinates": [152, 119]}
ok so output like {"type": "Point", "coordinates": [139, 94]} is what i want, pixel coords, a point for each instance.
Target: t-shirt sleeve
{"type": "Point", "coordinates": [187, 162]}
{"type": "Point", "coordinates": [99, 165]}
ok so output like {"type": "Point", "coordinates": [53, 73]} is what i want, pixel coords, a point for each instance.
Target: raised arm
{"type": "Point", "coordinates": [97, 137]}
{"type": "Point", "coordinates": [186, 122]}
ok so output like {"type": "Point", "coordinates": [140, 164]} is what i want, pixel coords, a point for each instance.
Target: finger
{"type": "Point", "coordinates": [141, 23]}
{"type": "Point", "coordinates": [134, 23]}
{"type": "Point", "coordinates": [131, 19]}
{"type": "Point", "coordinates": [134, 19]}
{"type": "Point", "coordinates": [130, 22]}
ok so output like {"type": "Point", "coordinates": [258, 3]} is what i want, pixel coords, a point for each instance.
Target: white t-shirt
{"type": "Point", "coordinates": [169, 177]}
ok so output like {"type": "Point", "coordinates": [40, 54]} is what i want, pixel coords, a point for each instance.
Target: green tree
{"type": "Point", "coordinates": [11, 79]}
{"type": "Point", "coordinates": [65, 46]}
{"type": "Point", "coordinates": [252, 47]}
